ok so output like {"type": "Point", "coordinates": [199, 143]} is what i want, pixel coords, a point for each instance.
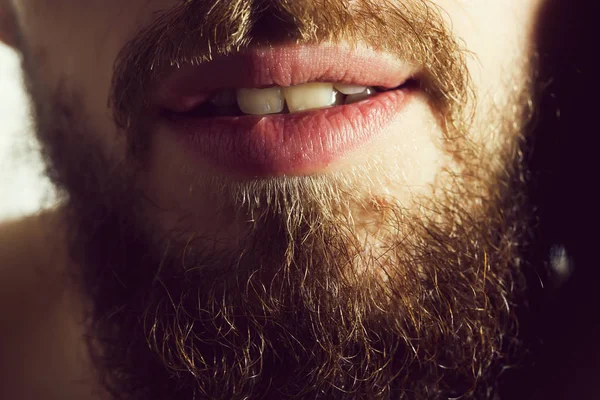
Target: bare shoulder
{"type": "Point", "coordinates": [30, 270]}
{"type": "Point", "coordinates": [40, 335]}
{"type": "Point", "coordinates": [27, 273]}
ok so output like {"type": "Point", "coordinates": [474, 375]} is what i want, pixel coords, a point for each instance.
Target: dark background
{"type": "Point", "coordinates": [561, 322]}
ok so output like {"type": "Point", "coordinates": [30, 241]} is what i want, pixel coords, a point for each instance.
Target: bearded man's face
{"type": "Point", "coordinates": [289, 199]}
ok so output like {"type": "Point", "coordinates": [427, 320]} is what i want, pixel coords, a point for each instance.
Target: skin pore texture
{"type": "Point", "coordinates": [392, 273]}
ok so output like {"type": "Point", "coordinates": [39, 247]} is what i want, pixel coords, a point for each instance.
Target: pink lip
{"type": "Point", "coordinates": [283, 144]}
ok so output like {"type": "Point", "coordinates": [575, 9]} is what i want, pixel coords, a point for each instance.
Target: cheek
{"type": "Point", "coordinates": [73, 47]}
{"type": "Point", "coordinates": [499, 36]}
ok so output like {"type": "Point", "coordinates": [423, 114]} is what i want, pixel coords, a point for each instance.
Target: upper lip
{"type": "Point", "coordinates": [180, 89]}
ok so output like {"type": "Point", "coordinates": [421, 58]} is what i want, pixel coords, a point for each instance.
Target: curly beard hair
{"type": "Point", "coordinates": [311, 303]}
{"type": "Point", "coordinates": [307, 306]}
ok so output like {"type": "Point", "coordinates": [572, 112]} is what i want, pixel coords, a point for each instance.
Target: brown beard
{"type": "Point", "coordinates": [302, 308]}
{"type": "Point", "coordinates": [175, 320]}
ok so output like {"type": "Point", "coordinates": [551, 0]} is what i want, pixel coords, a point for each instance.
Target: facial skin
{"type": "Point", "coordinates": [389, 273]}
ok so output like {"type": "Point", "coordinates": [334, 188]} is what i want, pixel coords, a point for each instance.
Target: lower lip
{"type": "Point", "coordinates": [286, 144]}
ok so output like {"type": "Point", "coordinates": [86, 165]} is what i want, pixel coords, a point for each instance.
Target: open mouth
{"type": "Point", "coordinates": [283, 111]}
{"type": "Point", "coordinates": [276, 100]}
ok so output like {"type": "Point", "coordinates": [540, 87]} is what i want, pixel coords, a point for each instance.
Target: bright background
{"type": "Point", "coordinates": [23, 186]}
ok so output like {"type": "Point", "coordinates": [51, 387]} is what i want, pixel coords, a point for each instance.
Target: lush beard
{"type": "Point", "coordinates": [308, 305]}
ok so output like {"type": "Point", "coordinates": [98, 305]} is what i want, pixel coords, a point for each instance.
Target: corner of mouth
{"type": "Point", "coordinates": [273, 100]}
{"type": "Point", "coordinates": [186, 87]}
{"type": "Point", "coordinates": [283, 111]}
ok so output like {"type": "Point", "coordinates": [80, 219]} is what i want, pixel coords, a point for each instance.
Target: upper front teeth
{"type": "Point", "coordinates": [261, 101]}
{"type": "Point", "coordinates": [307, 96]}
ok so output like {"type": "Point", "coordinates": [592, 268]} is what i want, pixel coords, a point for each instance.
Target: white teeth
{"type": "Point", "coordinates": [309, 96]}
{"type": "Point", "coordinates": [225, 98]}
{"type": "Point", "coordinates": [355, 98]}
{"type": "Point", "coordinates": [349, 89]}
{"type": "Point", "coordinates": [261, 101]}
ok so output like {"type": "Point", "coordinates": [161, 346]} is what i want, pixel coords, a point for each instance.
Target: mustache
{"type": "Point", "coordinates": [196, 31]}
